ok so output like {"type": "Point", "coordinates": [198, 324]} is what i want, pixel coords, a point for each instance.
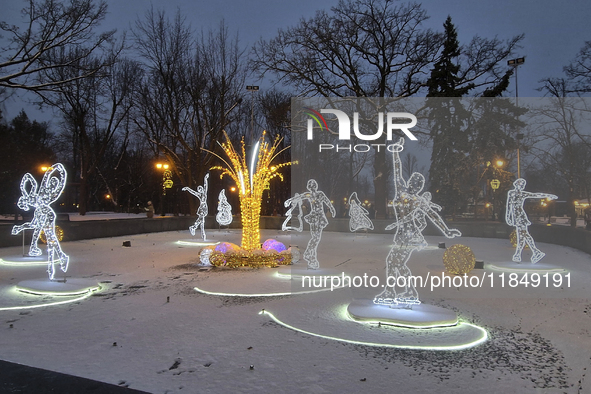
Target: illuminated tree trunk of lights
{"type": "Point", "coordinates": [251, 178]}
{"type": "Point", "coordinates": [250, 206]}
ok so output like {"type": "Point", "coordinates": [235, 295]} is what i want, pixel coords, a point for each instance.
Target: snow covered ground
{"type": "Point", "coordinates": [149, 329]}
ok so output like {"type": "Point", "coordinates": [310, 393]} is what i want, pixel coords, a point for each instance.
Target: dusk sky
{"type": "Point", "coordinates": [554, 31]}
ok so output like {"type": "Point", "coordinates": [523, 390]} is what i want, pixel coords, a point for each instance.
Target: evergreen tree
{"type": "Point", "coordinates": [448, 122]}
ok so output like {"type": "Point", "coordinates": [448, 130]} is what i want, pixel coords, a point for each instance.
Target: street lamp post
{"type": "Point", "coordinates": [516, 63]}
{"type": "Point", "coordinates": [252, 89]}
{"type": "Point", "coordinates": [167, 183]}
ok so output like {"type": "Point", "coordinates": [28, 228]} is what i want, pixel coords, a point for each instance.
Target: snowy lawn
{"type": "Point", "coordinates": [149, 329]}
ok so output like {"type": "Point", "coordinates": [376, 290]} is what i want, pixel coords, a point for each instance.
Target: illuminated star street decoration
{"type": "Point", "coordinates": [201, 194]}
{"type": "Point", "coordinates": [224, 215]}
{"type": "Point", "coordinates": [251, 177]}
{"type": "Point", "coordinates": [316, 218]}
{"type": "Point", "coordinates": [359, 219]}
{"type": "Point", "coordinates": [411, 210]}
{"type": "Point", "coordinates": [52, 185]}
{"type": "Point", "coordinates": [516, 216]}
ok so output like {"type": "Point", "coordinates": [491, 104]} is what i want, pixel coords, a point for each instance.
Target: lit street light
{"type": "Point", "coordinates": [167, 183]}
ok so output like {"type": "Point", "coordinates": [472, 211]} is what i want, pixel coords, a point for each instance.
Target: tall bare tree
{"type": "Point", "coordinates": [192, 91]}
{"type": "Point", "coordinates": [52, 26]}
{"type": "Point", "coordinates": [561, 139]}
{"type": "Point", "coordinates": [94, 108]}
{"type": "Point", "coordinates": [363, 48]}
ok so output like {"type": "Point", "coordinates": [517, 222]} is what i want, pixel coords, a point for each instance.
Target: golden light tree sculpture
{"type": "Point", "coordinates": [251, 176]}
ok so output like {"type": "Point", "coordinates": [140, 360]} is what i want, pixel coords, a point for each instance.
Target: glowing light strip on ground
{"type": "Point", "coordinates": [476, 342]}
{"type": "Point", "coordinates": [347, 315]}
{"type": "Point", "coordinates": [393, 324]}
{"type": "Point", "coordinates": [283, 276]}
{"type": "Point", "coordinates": [22, 263]}
{"type": "Point", "coordinates": [58, 293]}
{"type": "Point", "coordinates": [197, 243]}
{"type": "Point", "coordinates": [525, 270]}
{"type": "Point", "coordinates": [259, 295]}
{"type": "Point", "coordinates": [16, 308]}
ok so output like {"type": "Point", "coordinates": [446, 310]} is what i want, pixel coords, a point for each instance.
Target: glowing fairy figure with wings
{"type": "Point", "coordinates": [316, 218]}
{"type": "Point", "coordinates": [411, 210]}
{"type": "Point", "coordinates": [52, 186]}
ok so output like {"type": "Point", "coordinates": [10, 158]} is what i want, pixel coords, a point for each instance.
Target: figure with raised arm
{"type": "Point", "coordinates": [411, 209]}
{"type": "Point", "coordinates": [201, 194]}
{"type": "Point", "coordinates": [316, 218]}
{"type": "Point", "coordinates": [52, 186]}
{"type": "Point", "coordinates": [516, 216]}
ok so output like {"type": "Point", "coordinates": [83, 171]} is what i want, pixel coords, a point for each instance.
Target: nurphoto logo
{"type": "Point", "coordinates": [393, 121]}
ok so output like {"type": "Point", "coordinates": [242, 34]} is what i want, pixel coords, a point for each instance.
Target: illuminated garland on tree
{"type": "Point", "coordinates": [44, 216]}
{"type": "Point", "coordinates": [250, 179]}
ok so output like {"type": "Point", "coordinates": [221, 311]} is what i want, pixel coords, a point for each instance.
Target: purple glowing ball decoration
{"type": "Point", "coordinates": [275, 245]}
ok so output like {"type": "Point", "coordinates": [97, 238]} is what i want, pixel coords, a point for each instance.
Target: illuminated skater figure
{"type": "Point", "coordinates": [52, 185]}
{"type": "Point", "coordinates": [316, 218]}
{"type": "Point", "coordinates": [293, 203]}
{"type": "Point", "coordinates": [201, 194]}
{"type": "Point", "coordinates": [411, 211]}
{"type": "Point", "coordinates": [224, 215]}
{"type": "Point", "coordinates": [516, 216]}
{"type": "Point", "coordinates": [358, 214]}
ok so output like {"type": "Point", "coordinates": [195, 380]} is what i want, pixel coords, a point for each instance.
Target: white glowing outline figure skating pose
{"type": "Point", "coordinates": [516, 216]}
{"type": "Point", "coordinates": [316, 218]}
{"type": "Point", "coordinates": [411, 210]}
{"type": "Point", "coordinates": [293, 203]}
{"type": "Point", "coordinates": [224, 215]}
{"type": "Point", "coordinates": [44, 216]}
{"type": "Point", "coordinates": [359, 219]}
{"type": "Point", "coordinates": [201, 194]}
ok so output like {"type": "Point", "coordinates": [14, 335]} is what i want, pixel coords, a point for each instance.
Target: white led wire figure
{"type": "Point", "coordinates": [44, 216]}
{"type": "Point", "coordinates": [516, 216]}
{"type": "Point", "coordinates": [201, 194]}
{"type": "Point", "coordinates": [293, 203]}
{"type": "Point", "coordinates": [316, 218]}
{"type": "Point", "coordinates": [358, 214]}
{"type": "Point", "coordinates": [411, 210]}
{"type": "Point", "coordinates": [224, 215]}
